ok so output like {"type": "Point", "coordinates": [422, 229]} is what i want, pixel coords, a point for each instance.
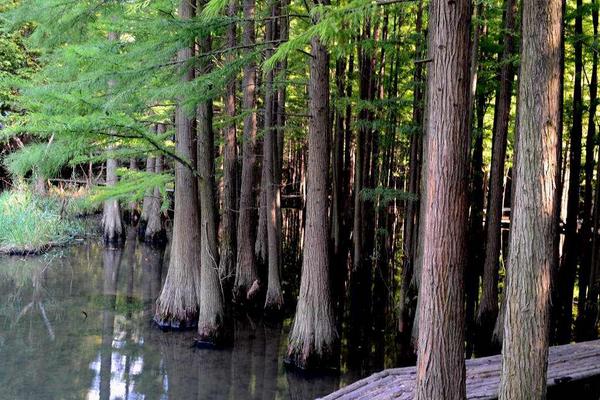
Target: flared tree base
{"type": "Point", "coordinates": [172, 324]}
{"type": "Point", "coordinates": [328, 361]}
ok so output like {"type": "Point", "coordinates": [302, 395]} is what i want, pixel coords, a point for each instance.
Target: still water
{"type": "Point", "coordinates": [74, 324]}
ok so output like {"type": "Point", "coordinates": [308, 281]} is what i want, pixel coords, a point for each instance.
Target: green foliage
{"type": "Point", "coordinates": [32, 224]}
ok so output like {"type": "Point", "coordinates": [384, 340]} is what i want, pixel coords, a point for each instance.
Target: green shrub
{"type": "Point", "coordinates": [30, 224]}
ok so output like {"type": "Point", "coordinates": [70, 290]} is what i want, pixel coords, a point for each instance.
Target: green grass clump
{"type": "Point", "coordinates": [31, 224]}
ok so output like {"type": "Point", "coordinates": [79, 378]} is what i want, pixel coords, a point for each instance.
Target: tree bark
{"type": "Point", "coordinates": [588, 279]}
{"type": "Point", "coordinates": [246, 276]}
{"type": "Point", "coordinates": [568, 268]}
{"type": "Point", "coordinates": [228, 223]}
{"type": "Point", "coordinates": [274, 298]}
{"type": "Point", "coordinates": [532, 246]}
{"type": "Point", "coordinates": [111, 216]}
{"type": "Point", "coordinates": [440, 357]}
{"type": "Point", "coordinates": [177, 306]}
{"type": "Point", "coordinates": [488, 304]}
{"type": "Point", "coordinates": [313, 336]}
{"type": "Point", "coordinates": [211, 314]}
{"type": "Point", "coordinates": [155, 233]}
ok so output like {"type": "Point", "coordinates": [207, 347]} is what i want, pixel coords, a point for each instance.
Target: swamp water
{"type": "Point", "coordinates": [75, 324]}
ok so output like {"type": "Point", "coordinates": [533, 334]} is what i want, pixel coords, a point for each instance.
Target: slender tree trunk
{"type": "Point", "coordinates": [477, 190]}
{"type": "Point", "coordinates": [488, 304]}
{"type": "Point", "coordinates": [111, 216]}
{"type": "Point", "coordinates": [177, 306]}
{"type": "Point", "coordinates": [246, 277]}
{"type": "Point", "coordinates": [133, 212]}
{"type": "Point", "coordinates": [440, 357]}
{"type": "Point", "coordinates": [589, 278]}
{"type": "Point", "coordinates": [414, 171]}
{"type": "Point", "coordinates": [211, 313]}
{"type": "Point", "coordinates": [532, 246]}
{"type": "Point", "coordinates": [568, 268]}
{"type": "Point", "coordinates": [586, 242]}
{"type": "Point", "coordinates": [146, 204]}
{"type": "Point", "coordinates": [228, 223]}
{"type": "Point", "coordinates": [274, 298]}
{"type": "Point", "coordinates": [155, 233]}
{"type": "Point", "coordinates": [313, 336]}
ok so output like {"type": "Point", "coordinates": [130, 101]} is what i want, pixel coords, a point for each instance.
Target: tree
{"type": "Point", "coordinates": [211, 315]}
{"type": "Point", "coordinates": [440, 356]}
{"type": "Point", "coordinates": [568, 268]}
{"type": "Point", "coordinates": [488, 305]}
{"type": "Point", "coordinates": [245, 271]}
{"type": "Point", "coordinates": [177, 306]}
{"type": "Point", "coordinates": [111, 216]}
{"type": "Point", "coordinates": [532, 247]}
{"type": "Point", "coordinates": [313, 336]}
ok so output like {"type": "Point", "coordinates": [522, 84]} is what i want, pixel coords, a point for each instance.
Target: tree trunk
{"type": "Point", "coordinates": [177, 306]}
{"type": "Point", "coordinates": [313, 336]}
{"type": "Point", "coordinates": [246, 277]}
{"type": "Point", "coordinates": [111, 216]}
{"type": "Point", "coordinates": [532, 246]}
{"type": "Point", "coordinates": [412, 205]}
{"type": "Point", "coordinates": [568, 268]}
{"type": "Point", "coordinates": [488, 304]}
{"type": "Point", "coordinates": [211, 315]}
{"type": "Point", "coordinates": [146, 204]}
{"type": "Point", "coordinates": [155, 233]}
{"type": "Point", "coordinates": [228, 223]}
{"type": "Point", "coordinates": [440, 357]}
{"type": "Point", "coordinates": [274, 298]}
{"type": "Point", "coordinates": [588, 313]}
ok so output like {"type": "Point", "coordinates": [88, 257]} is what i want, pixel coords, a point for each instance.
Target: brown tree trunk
{"type": "Point", "coordinates": [228, 223]}
{"type": "Point", "coordinates": [588, 277]}
{"type": "Point", "coordinates": [532, 247]}
{"type": "Point", "coordinates": [274, 298]}
{"type": "Point", "coordinates": [211, 313]}
{"type": "Point", "coordinates": [177, 306]}
{"type": "Point", "coordinates": [414, 173]}
{"type": "Point", "coordinates": [155, 233]}
{"type": "Point", "coordinates": [313, 336]}
{"type": "Point", "coordinates": [440, 357]}
{"type": "Point", "coordinates": [146, 204]}
{"type": "Point", "coordinates": [488, 304]}
{"type": "Point", "coordinates": [246, 276]}
{"type": "Point", "coordinates": [568, 267]}
{"type": "Point", "coordinates": [111, 216]}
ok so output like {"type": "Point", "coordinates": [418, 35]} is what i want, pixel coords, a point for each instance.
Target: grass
{"type": "Point", "coordinates": [31, 224]}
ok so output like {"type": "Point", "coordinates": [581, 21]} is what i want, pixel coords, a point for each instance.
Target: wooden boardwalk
{"type": "Point", "coordinates": [567, 363]}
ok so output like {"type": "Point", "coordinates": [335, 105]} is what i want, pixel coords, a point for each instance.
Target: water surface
{"type": "Point", "coordinates": [74, 324]}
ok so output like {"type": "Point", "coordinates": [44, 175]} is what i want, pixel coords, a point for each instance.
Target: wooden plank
{"type": "Point", "coordinates": [567, 363]}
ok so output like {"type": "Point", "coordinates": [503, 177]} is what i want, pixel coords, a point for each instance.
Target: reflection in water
{"type": "Point", "coordinates": [75, 324]}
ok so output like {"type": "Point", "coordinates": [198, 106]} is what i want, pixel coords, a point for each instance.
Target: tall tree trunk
{"type": "Point", "coordinates": [155, 233]}
{"type": "Point", "coordinates": [588, 278]}
{"type": "Point", "coordinates": [111, 216]}
{"type": "Point", "coordinates": [177, 306]}
{"type": "Point", "coordinates": [228, 223]}
{"type": "Point", "coordinates": [211, 313]}
{"type": "Point", "coordinates": [274, 298]}
{"type": "Point", "coordinates": [477, 190]}
{"type": "Point", "coordinates": [313, 336]}
{"type": "Point", "coordinates": [246, 276]}
{"type": "Point", "coordinates": [147, 202]}
{"type": "Point", "coordinates": [440, 357]}
{"type": "Point", "coordinates": [568, 268]}
{"type": "Point", "coordinates": [532, 246]}
{"type": "Point", "coordinates": [414, 171]}
{"type": "Point", "coordinates": [488, 304]}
